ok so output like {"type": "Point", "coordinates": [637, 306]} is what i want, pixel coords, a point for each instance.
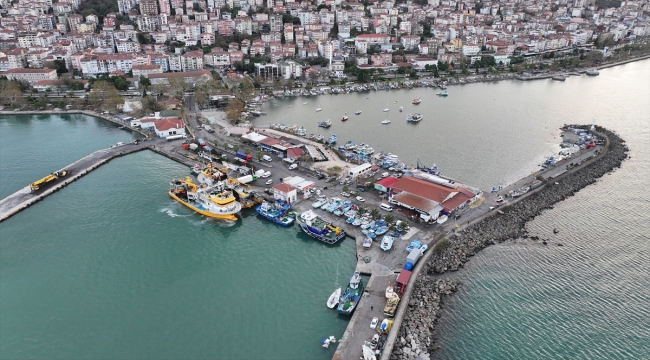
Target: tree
{"type": "Point", "coordinates": [258, 155]}
{"type": "Point", "coordinates": [234, 109]}
{"type": "Point", "coordinates": [235, 147]}
{"type": "Point", "coordinates": [389, 219]}
{"type": "Point", "coordinates": [177, 87]}
{"type": "Point", "coordinates": [104, 94]}
{"type": "Point", "coordinates": [75, 85]}
{"type": "Point", "coordinates": [59, 65]}
{"type": "Point", "coordinates": [150, 105]}
{"type": "Point", "coordinates": [10, 93]}
{"type": "Point", "coordinates": [144, 82]}
{"type": "Point", "coordinates": [374, 213]}
{"type": "Point", "coordinates": [345, 188]}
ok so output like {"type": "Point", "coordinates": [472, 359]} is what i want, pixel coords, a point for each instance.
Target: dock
{"type": "Point", "coordinates": [25, 197]}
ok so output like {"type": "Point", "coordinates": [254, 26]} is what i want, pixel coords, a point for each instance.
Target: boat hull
{"type": "Point", "coordinates": [203, 212]}
{"type": "Point", "coordinates": [323, 238]}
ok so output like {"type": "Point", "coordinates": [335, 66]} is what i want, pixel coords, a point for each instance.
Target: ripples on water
{"type": "Point", "coordinates": [589, 299]}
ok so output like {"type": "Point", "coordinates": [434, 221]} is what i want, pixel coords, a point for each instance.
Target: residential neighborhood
{"type": "Point", "coordinates": [147, 42]}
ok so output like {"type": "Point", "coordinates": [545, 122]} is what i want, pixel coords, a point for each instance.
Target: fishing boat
{"type": "Point", "coordinates": [386, 110]}
{"type": "Point", "coordinates": [320, 137]}
{"type": "Point", "coordinates": [276, 212]}
{"type": "Point", "coordinates": [367, 242]}
{"type": "Point", "coordinates": [336, 295]}
{"type": "Point", "coordinates": [401, 108]}
{"type": "Point", "coordinates": [196, 169]}
{"type": "Point", "coordinates": [415, 244]}
{"type": "Point", "coordinates": [350, 298]}
{"type": "Point", "coordinates": [442, 93]}
{"type": "Point", "coordinates": [417, 101]}
{"type": "Point", "coordinates": [414, 117]}
{"type": "Point", "coordinates": [357, 112]}
{"type": "Point", "coordinates": [332, 139]}
{"type": "Point", "coordinates": [319, 109]}
{"type": "Point", "coordinates": [389, 291]}
{"type": "Point", "coordinates": [593, 72]}
{"type": "Point", "coordinates": [318, 228]}
{"type": "Point", "coordinates": [355, 280]}
{"type": "Point", "coordinates": [386, 122]}
{"type": "Point", "coordinates": [243, 193]}
{"type": "Point", "coordinates": [387, 242]}
{"type": "Point", "coordinates": [344, 118]}
{"type": "Point", "coordinates": [325, 124]}
{"type": "Point", "coordinates": [212, 201]}
{"type": "Point", "coordinates": [304, 103]}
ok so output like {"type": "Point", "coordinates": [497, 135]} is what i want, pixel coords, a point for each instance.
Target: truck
{"type": "Point", "coordinates": [37, 185]}
{"type": "Point", "coordinates": [175, 137]}
{"type": "Point", "coordinates": [208, 128]}
{"type": "Point", "coordinates": [201, 142]}
{"type": "Point", "coordinates": [193, 147]}
{"type": "Point", "coordinates": [391, 305]}
{"type": "Point", "coordinates": [246, 157]}
{"type": "Point", "coordinates": [259, 173]}
{"type": "Point", "coordinates": [246, 179]}
{"type": "Point", "coordinates": [267, 158]}
{"type": "Point", "coordinates": [412, 259]}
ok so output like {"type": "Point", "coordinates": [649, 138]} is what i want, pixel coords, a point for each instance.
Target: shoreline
{"type": "Point", "coordinates": [450, 81]}
{"type": "Point", "coordinates": [72, 112]}
{"type": "Point", "coordinates": [417, 332]}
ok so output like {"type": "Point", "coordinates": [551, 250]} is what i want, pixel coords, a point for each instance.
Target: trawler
{"type": "Point", "coordinates": [212, 201]}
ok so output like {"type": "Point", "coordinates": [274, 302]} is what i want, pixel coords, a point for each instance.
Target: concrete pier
{"type": "Point", "coordinates": [25, 197]}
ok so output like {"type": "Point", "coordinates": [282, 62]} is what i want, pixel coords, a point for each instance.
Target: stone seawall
{"type": "Point", "coordinates": [416, 337]}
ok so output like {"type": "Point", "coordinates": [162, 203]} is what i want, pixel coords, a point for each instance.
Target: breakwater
{"type": "Point", "coordinates": [416, 335]}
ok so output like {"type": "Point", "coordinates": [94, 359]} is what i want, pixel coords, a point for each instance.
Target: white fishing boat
{"type": "Point", "coordinates": [336, 295]}
{"type": "Point", "coordinates": [389, 291]}
{"type": "Point", "coordinates": [304, 103]}
{"type": "Point", "coordinates": [357, 112]}
{"type": "Point", "coordinates": [319, 109]}
{"type": "Point", "coordinates": [355, 280]}
{"type": "Point", "coordinates": [386, 110]}
{"type": "Point", "coordinates": [386, 122]}
{"type": "Point", "coordinates": [401, 108]}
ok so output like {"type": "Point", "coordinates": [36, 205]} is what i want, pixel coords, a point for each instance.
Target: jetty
{"type": "Point", "coordinates": [383, 267]}
{"type": "Point", "coordinates": [25, 197]}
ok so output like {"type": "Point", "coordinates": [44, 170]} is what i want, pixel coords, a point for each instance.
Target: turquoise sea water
{"type": "Point", "coordinates": [111, 267]}
{"type": "Point", "coordinates": [32, 146]}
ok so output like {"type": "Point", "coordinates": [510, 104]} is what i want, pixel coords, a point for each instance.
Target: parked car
{"type": "Point", "coordinates": [360, 188]}
{"type": "Point", "coordinates": [373, 323]}
{"type": "Point", "coordinates": [293, 167]}
{"type": "Point", "coordinates": [345, 194]}
{"type": "Point", "coordinates": [359, 198]}
{"type": "Point", "coordinates": [269, 181]}
{"type": "Point", "coordinates": [266, 174]}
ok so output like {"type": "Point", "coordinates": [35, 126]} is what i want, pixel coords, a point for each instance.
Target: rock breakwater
{"type": "Point", "coordinates": [418, 327]}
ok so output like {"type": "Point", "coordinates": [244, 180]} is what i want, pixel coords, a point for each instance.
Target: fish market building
{"type": "Point", "coordinates": [428, 198]}
{"type": "Point", "coordinates": [285, 192]}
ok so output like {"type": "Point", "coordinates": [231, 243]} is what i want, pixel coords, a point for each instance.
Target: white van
{"type": "Point", "coordinates": [267, 158]}
{"type": "Point", "coordinates": [293, 166]}
{"type": "Point", "coordinates": [386, 207]}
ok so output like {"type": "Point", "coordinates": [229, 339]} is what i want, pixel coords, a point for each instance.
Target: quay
{"type": "Point", "coordinates": [25, 197]}
{"type": "Point", "coordinates": [384, 267]}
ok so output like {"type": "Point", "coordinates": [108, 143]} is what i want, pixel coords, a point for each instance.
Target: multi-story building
{"type": "Point", "coordinates": [148, 7]}
{"type": "Point", "coordinates": [30, 75]}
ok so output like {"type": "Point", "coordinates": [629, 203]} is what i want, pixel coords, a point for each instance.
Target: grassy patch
{"type": "Point", "coordinates": [441, 245]}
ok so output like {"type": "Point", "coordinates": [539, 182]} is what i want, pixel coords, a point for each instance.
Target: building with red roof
{"type": "Point", "coordinates": [164, 127]}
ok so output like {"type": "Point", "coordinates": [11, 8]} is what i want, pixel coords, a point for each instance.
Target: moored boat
{"type": "Point", "coordinates": [350, 298]}
{"type": "Point", "coordinates": [332, 139]}
{"type": "Point", "coordinates": [414, 117]}
{"type": "Point", "coordinates": [325, 124]}
{"type": "Point", "coordinates": [344, 118]}
{"type": "Point", "coordinates": [357, 112]}
{"type": "Point", "coordinates": [389, 291]}
{"type": "Point", "coordinates": [276, 212]}
{"type": "Point", "coordinates": [319, 109]}
{"type": "Point", "coordinates": [319, 229]}
{"type": "Point", "coordinates": [386, 122]}
{"type": "Point", "coordinates": [442, 93]}
{"type": "Point", "coordinates": [212, 201]}
{"type": "Point", "coordinates": [417, 101]}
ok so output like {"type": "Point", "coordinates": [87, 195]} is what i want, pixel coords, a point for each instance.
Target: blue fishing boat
{"type": "Point", "coordinates": [276, 212]}
{"type": "Point", "coordinates": [415, 244]}
{"type": "Point", "coordinates": [332, 139]}
{"type": "Point", "coordinates": [350, 298]}
{"type": "Point", "coordinates": [318, 228]}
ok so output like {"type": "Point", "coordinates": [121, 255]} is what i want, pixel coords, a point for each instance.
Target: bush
{"type": "Point", "coordinates": [441, 246]}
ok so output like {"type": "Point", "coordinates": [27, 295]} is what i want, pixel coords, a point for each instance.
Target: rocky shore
{"type": "Point", "coordinates": [416, 337]}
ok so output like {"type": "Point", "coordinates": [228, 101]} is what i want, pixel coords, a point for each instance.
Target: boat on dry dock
{"type": "Point", "coordinates": [314, 226]}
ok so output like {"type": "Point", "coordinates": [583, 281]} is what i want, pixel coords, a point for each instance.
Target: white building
{"type": "Point", "coordinates": [285, 192]}
{"type": "Point", "coordinates": [164, 127]}
{"type": "Point", "coordinates": [360, 170]}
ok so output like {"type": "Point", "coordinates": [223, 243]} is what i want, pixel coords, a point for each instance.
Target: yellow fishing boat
{"type": "Point", "coordinates": [212, 201]}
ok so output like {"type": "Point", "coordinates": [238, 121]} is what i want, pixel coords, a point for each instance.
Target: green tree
{"type": "Point", "coordinates": [258, 155]}
{"type": "Point", "coordinates": [144, 82]}
{"type": "Point", "coordinates": [389, 218]}
{"type": "Point", "coordinates": [235, 147]}
{"type": "Point", "coordinates": [374, 213]}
